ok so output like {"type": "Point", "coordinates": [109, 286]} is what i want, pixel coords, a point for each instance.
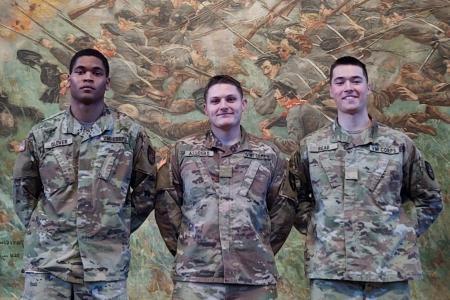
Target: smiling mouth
{"type": "Point", "coordinates": [349, 97]}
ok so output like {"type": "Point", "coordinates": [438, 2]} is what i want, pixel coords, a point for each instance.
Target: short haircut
{"type": "Point", "coordinates": [222, 79]}
{"type": "Point", "coordinates": [272, 58]}
{"type": "Point", "coordinates": [349, 60]}
{"type": "Point", "coordinates": [89, 52]}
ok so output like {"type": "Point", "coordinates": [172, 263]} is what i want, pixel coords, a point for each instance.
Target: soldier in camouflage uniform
{"type": "Point", "coordinates": [220, 208]}
{"type": "Point", "coordinates": [84, 180]}
{"type": "Point", "coordinates": [354, 180]}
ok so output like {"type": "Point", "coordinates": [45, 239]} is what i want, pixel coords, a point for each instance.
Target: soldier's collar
{"type": "Point", "coordinates": [340, 135]}
{"type": "Point", "coordinates": [73, 126]}
{"type": "Point", "coordinates": [212, 141]}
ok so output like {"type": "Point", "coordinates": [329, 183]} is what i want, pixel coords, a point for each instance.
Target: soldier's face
{"type": "Point", "coordinates": [349, 89]}
{"type": "Point", "coordinates": [88, 81]}
{"type": "Point", "coordinates": [269, 70]}
{"type": "Point", "coordinates": [224, 106]}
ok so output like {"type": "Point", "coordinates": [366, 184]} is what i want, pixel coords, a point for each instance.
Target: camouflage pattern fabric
{"type": "Point", "coordinates": [213, 291]}
{"type": "Point", "coordinates": [357, 290]}
{"type": "Point", "coordinates": [353, 192]}
{"type": "Point", "coordinates": [80, 193]}
{"type": "Point", "coordinates": [45, 286]}
{"type": "Point", "coordinates": [223, 211]}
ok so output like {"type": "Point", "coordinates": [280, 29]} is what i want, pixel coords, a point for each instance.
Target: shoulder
{"type": "Point", "coordinates": [321, 134]}
{"type": "Point", "coordinates": [191, 142]}
{"type": "Point", "coordinates": [122, 123]}
{"type": "Point", "coordinates": [263, 146]}
{"type": "Point", "coordinates": [123, 119]}
{"type": "Point", "coordinates": [193, 139]}
{"type": "Point", "coordinates": [47, 125]}
{"type": "Point", "coordinates": [388, 135]}
{"type": "Point", "coordinates": [51, 121]}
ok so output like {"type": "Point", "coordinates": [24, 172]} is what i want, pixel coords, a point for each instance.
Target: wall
{"type": "Point", "coordinates": [162, 53]}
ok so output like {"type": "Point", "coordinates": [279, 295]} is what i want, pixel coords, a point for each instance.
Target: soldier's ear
{"type": "Point", "coordinates": [108, 81]}
{"type": "Point", "coordinates": [244, 104]}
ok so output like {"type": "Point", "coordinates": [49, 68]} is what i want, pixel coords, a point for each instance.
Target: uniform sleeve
{"type": "Point", "coordinates": [301, 184]}
{"type": "Point", "coordinates": [27, 185]}
{"type": "Point", "coordinates": [143, 181]}
{"type": "Point", "coordinates": [169, 201]}
{"type": "Point", "coordinates": [281, 207]}
{"type": "Point", "coordinates": [423, 189]}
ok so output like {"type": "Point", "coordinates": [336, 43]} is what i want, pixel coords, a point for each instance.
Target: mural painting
{"type": "Point", "coordinates": [162, 53]}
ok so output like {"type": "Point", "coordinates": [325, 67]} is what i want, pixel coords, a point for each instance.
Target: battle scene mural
{"type": "Point", "coordinates": [161, 54]}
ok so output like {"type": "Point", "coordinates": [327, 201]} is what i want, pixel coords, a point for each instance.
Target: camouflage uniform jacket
{"type": "Point", "coordinates": [353, 193]}
{"type": "Point", "coordinates": [222, 211]}
{"type": "Point", "coordinates": [81, 195]}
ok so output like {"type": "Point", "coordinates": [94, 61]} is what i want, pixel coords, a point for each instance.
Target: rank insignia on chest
{"type": "Point", "coordinates": [225, 171]}
{"type": "Point", "coordinates": [256, 155]}
{"type": "Point", "coordinates": [113, 139]}
{"type": "Point", "coordinates": [198, 153]}
{"type": "Point", "coordinates": [351, 173]}
{"type": "Point", "coordinates": [57, 143]}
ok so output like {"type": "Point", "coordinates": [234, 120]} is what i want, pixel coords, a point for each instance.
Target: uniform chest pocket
{"type": "Point", "coordinates": [326, 165]}
{"type": "Point", "coordinates": [197, 182]}
{"type": "Point", "coordinates": [56, 168]}
{"type": "Point", "coordinates": [385, 176]}
{"type": "Point", "coordinates": [255, 182]}
{"type": "Point", "coordinates": [114, 160]}
{"type": "Point", "coordinates": [326, 168]}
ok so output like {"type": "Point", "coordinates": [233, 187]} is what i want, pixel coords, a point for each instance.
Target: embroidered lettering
{"type": "Point", "coordinates": [57, 143]}
{"type": "Point", "coordinates": [198, 153]}
{"type": "Point", "coordinates": [113, 139]}
{"type": "Point", "coordinates": [255, 155]}
{"type": "Point", "coordinates": [382, 149]}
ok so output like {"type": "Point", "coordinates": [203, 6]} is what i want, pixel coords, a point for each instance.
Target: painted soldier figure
{"type": "Point", "coordinates": [84, 180]}
{"type": "Point", "coordinates": [355, 179]}
{"type": "Point", "coordinates": [222, 208]}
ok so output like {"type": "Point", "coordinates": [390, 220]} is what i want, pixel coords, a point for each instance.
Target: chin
{"type": "Point", "coordinates": [225, 126]}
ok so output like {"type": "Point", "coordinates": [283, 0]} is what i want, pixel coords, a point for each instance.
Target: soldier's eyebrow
{"type": "Point", "coordinates": [225, 97]}
{"type": "Point", "coordinates": [351, 78]}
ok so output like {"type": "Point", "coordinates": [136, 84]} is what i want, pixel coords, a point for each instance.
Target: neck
{"type": "Point", "coordinates": [354, 122]}
{"type": "Point", "coordinates": [227, 137]}
{"type": "Point", "coordinates": [86, 112]}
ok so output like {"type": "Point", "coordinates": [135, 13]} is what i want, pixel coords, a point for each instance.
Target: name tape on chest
{"type": "Point", "coordinates": [58, 143]}
{"type": "Point", "coordinates": [113, 139]}
{"type": "Point", "coordinates": [256, 155]}
{"type": "Point", "coordinates": [384, 149]}
{"type": "Point", "coordinates": [321, 148]}
{"type": "Point", "coordinates": [198, 153]}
